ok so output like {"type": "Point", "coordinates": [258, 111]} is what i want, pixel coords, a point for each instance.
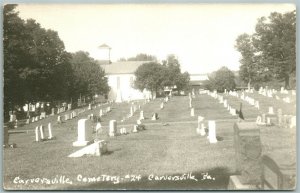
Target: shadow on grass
{"type": "Point", "coordinates": [213, 179]}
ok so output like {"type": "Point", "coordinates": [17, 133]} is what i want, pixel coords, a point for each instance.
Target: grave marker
{"type": "Point", "coordinates": [212, 132]}
{"type": "Point", "coordinates": [112, 128]}
{"type": "Point", "coordinates": [142, 115]}
{"type": "Point", "coordinates": [192, 112]}
{"type": "Point", "coordinates": [42, 132]}
{"type": "Point", "coordinates": [50, 131]}
{"type": "Point", "coordinates": [37, 133]}
{"type": "Point", "coordinates": [84, 130]}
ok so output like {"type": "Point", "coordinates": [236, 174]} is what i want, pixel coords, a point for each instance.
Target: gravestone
{"type": "Point", "coordinates": [212, 132]}
{"type": "Point", "coordinates": [293, 122]}
{"type": "Point", "coordinates": [52, 111]}
{"type": "Point", "coordinates": [43, 115]}
{"type": "Point", "coordinates": [97, 148]}
{"type": "Point", "coordinates": [271, 111]}
{"type": "Point", "coordinates": [248, 150]}
{"type": "Point", "coordinates": [190, 103]}
{"type": "Point", "coordinates": [200, 129]}
{"type": "Point", "coordinates": [112, 128]}
{"type": "Point", "coordinates": [42, 132]}
{"type": "Point", "coordinates": [101, 113]}
{"type": "Point", "coordinates": [192, 112]}
{"type": "Point", "coordinates": [85, 131]}
{"type": "Point", "coordinates": [36, 118]}
{"type": "Point", "coordinates": [69, 107]}
{"type": "Point", "coordinates": [27, 121]}
{"type": "Point", "coordinates": [12, 118]}
{"type": "Point", "coordinates": [90, 107]}
{"type": "Point", "coordinates": [50, 131]}
{"type": "Point", "coordinates": [142, 115]}
{"type": "Point", "coordinates": [135, 129]}
{"type": "Point", "coordinates": [154, 117]}
{"type": "Point", "coordinates": [98, 127]}
{"type": "Point", "coordinates": [33, 120]}
{"type": "Point", "coordinates": [162, 105]}
{"type": "Point", "coordinates": [37, 138]}
{"type": "Point", "coordinates": [257, 104]}
{"type": "Point", "coordinates": [59, 119]}
{"type": "Point", "coordinates": [67, 117]}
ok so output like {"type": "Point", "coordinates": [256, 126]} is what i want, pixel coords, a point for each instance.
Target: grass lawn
{"type": "Point", "coordinates": [171, 149]}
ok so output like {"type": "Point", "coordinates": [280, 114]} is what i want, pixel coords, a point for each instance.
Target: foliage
{"type": "Point", "coordinates": [140, 57]}
{"type": "Point", "coordinates": [220, 80]}
{"type": "Point", "coordinates": [154, 76]}
{"type": "Point", "coordinates": [36, 66]}
{"type": "Point", "coordinates": [149, 76]}
{"type": "Point", "coordinates": [270, 53]}
{"type": "Point", "coordinates": [89, 77]}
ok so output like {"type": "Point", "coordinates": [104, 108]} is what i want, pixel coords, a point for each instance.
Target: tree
{"type": "Point", "coordinates": [89, 77]}
{"type": "Point", "coordinates": [36, 65]}
{"type": "Point", "coordinates": [149, 76]}
{"type": "Point", "coordinates": [271, 50]}
{"type": "Point", "coordinates": [220, 80]}
{"type": "Point", "coordinates": [141, 57]}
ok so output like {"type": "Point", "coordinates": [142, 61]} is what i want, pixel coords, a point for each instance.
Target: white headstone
{"type": "Point", "coordinates": [42, 132]}
{"type": "Point", "coordinates": [225, 103]}
{"type": "Point", "coordinates": [162, 105]}
{"type": "Point", "coordinates": [293, 122]}
{"type": "Point", "coordinates": [112, 128]}
{"type": "Point", "coordinates": [84, 132]}
{"type": "Point", "coordinates": [257, 104]}
{"type": "Point", "coordinates": [90, 107]}
{"type": "Point", "coordinates": [96, 149]}
{"type": "Point", "coordinates": [37, 133]}
{"type": "Point", "coordinates": [134, 129]}
{"type": "Point", "coordinates": [271, 111]}
{"type": "Point", "coordinates": [212, 132]}
{"type": "Point", "coordinates": [192, 112]}
{"type": "Point", "coordinates": [49, 131]}
{"type": "Point", "coordinates": [59, 119]}
{"type": "Point", "coordinates": [142, 115]}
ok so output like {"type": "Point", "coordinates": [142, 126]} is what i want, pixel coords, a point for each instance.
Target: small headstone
{"type": "Point", "coordinates": [67, 117]}
{"type": "Point", "coordinates": [52, 111]}
{"type": "Point", "coordinates": [293, 122]}
{"type": "Point", "coordinates": [101, 113]}
{"type": "Point", "coordinates": [59, 119]}
{"type": "Point", "coordinates": [69, 107]}
{"type": "Point", "coordinates": [90, 107]}
{"type": "Point", "coordinates": [36, 118]}
{"type": "Point", "coordinates": [98, 148]}
{"type": "Point", "coordinates": [112, 128]}
{"type": "Point", "coordinates": [98, 127]}
{"type": "Point", "coordinates": [135, 129]}
{"type": "Point", "coordinates": [50, 131]}
{"type": "Point", "coordinates": [131, 111]}
{"type": "Point", "coordinates": [43, 115]}
{"type": "Point", "coordinates": [225, 103]}
{"type": "Point", "coordinates": [192, 112]}
{"type": "Point", "coordinates": [212, 132]}
{"type": "Point", "coordinates": [42, 132]}
{"type": "Point", "coordinates": [142, 115]}
{"type": "Point", "coordinates": [190, 103]}
{"type": "Point", "coordinates": [162, 105]}
{"type": "Point", "coordinates": [271, 111]}
{"type": "Point", "coordinates": [37, 138]}
{"type": "Point", "coordinates": [33, 119]}
{"type": "Point", "coordinates": [154, 117]}
{"type": "Point", "coordinates": [200, 129]}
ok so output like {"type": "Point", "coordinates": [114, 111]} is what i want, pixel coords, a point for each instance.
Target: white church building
{"type": "Point", "coordinates": [121, 81]}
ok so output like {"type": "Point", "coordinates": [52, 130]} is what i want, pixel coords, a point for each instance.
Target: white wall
{"type": "Point", "coordinates": [125, 86]}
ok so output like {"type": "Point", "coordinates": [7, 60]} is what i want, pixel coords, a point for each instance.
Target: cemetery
{"type": "Point", "coordinates": [201, 108]}
{"type": "Point", "coordinates": [130, 144]}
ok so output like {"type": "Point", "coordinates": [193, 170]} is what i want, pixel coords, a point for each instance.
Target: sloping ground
{"type": "Point", "coordinates": [171, 149]}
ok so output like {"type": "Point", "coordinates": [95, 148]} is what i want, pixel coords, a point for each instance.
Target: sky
{"type": "Point", "coordinates": [202, 36]}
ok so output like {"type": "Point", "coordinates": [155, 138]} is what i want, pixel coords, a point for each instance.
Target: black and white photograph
{"type": "Point", "coordinates": [149, 96]}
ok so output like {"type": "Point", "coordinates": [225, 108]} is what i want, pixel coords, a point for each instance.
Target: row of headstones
{"type": "Point", "coordinates": [85, 131]}
{"type": "Point", "coordinates": [223, 101]}
{"type": "Point", "coordinates": [40, 135]}
{"type": "Point", "coordinates": [270, 93]}
{"type": "Point", "coordinates": [67, 116]}
{"type": "Point", "coordinates": [280, 119]}
{"type": "Point", "coordinates": [211, 136]}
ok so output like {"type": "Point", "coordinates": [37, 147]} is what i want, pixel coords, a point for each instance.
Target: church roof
{"type": "Point", "coordinates": [127, 67]}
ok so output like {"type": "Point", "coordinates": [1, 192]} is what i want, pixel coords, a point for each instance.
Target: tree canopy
{"type": "Point", "coordinates": [220, 80]}
{"type": "Point", "coordinates": [38, 68]}
{"type": "Point", "coordinates": [270, 53]}
{"type": "Point", "coordinates": [154, 76]}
